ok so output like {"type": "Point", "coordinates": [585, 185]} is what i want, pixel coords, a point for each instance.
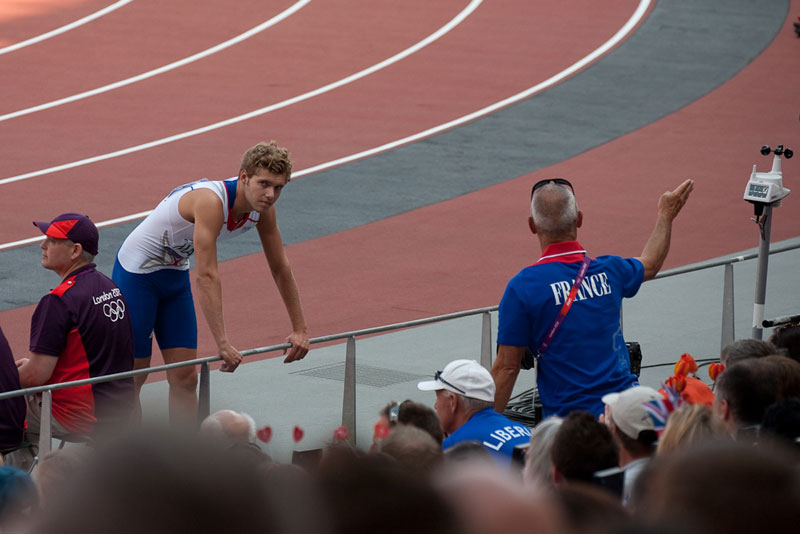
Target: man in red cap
{"type": "Point", "coordinates": [79, 330]}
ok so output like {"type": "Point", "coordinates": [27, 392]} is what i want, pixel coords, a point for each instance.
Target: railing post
{"type": "Point", "coordinates": [45, 428]}
{"type": "Point", "coordinates": [486, 340]}
{"type": "Point", "coordinates": [349, 396]}
{"type": "Point", "coordinates": [204, 393]}
{"type": "Point", "coordinates": [728, 334]}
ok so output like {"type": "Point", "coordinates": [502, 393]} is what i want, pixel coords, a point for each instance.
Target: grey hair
{"type": "Point", "coordinates": [472, 405]}
{"type": "Point", "coordinates": [554, 210]}
{"type": "Point", "coordinates": [538, 463]}
{"type": "Point", "coordinates": [214, 426]}
{"type": "Point", "coordinates": [87, 257]}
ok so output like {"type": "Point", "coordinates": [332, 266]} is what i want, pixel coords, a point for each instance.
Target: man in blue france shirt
{"type": "Point", "coordinates": [465, 406]}
{"type": "Point", "coordinates": [586, 357]}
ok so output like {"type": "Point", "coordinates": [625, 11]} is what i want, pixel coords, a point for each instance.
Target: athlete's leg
{"type": "Point", "coordinates": [176, 333]}
{"type": "Point", "coordinates": [182, 387]}
{"type": "Point", "coordinates": [142, 302]}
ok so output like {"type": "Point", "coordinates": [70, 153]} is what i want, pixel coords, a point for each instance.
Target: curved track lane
{"type": "Point", "coordinates": [393, 103]}
{"type": "Point", "coordinates": [144, 35]}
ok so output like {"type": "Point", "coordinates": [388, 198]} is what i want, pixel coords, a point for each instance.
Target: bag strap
{"type": "Point", "coordinates": [584, 267]}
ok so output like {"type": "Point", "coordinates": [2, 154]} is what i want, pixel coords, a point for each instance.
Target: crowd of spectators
{"type": "Point", "coordinates": [730, 468]}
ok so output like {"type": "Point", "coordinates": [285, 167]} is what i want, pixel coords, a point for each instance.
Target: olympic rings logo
{"type": "Point", "coordinates": [114, 310]}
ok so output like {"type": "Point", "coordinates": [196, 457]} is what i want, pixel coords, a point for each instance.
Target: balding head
{"type": "Point", "coordinates": [229, 425]}
{"type": "Point", "coordinates": [554, 213]}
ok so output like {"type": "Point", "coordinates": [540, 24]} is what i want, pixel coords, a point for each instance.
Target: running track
{"type": "Point", "coordinates": [431, 227]}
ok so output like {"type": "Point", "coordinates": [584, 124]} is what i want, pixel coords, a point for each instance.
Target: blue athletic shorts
{"type": "Point", "coordinates": [160, 303]}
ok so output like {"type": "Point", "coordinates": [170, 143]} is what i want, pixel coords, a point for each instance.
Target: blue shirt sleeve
{"type": "Point", "coordinates": [514, 328]}
{"type": "Point", "coordinates": [632, 276]}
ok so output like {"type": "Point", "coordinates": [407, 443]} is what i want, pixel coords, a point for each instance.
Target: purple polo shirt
{"type": "Point", "coordinates": [84, 323]}
{"type": "Point", "coordinates": [12, 411]}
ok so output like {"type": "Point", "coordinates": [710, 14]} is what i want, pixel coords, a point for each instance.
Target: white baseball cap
{"type": "Point", "coordinates": [464, 377]}
{"type": "Point", "coordinates": [627, 410]}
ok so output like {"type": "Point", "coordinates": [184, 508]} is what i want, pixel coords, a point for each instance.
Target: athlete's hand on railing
{"type": "Point", "coordinates": [232, 358]}
{"type": "Point", "coordinates": [299, 348]}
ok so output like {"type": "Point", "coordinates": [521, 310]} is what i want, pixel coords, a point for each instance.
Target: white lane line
{"type": "Point", "coordinates": [572, 69]}
{"type": "Point", "coordinates": [110, 222]}
{"type": "Point", "coordinates": [64, 29]}
{"type": "Point", "coordinates": [161, 70]}
{"type": "Point", "coordinates": [330, 87]}
{"type": "Point", "coordinates": [605, 47]}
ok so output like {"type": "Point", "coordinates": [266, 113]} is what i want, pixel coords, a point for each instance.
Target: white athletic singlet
{"type": "Point", "coordinates": [164, 240]}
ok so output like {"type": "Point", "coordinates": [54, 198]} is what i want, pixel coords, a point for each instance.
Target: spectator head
{"type": "Point", "coordinates": [467, 451]}
{"type": "Point", "coordinates": [463, 388]}
{"type": "Point", "coordinates": [689, 426]}
{"type": "Point", "coordinates": [590, 509]}
{"type": "Point", "coordinates": [723, 487]}
{"type": "Point", "coordinates": [744, 349]}
{"type": "Point", "coordinates": [412, 413]}
{"type": "Point", "coordinates": [413, 448]}
{"type": "Point", "coordinates": [374, 493]}
{"type": "Point", "coordinates": [73, 229]}
{"type": "Point", "coordinates": [490, 500]}
{"type": "Point", "coordinates": [630, 424]}
{"type": "Point", "coordinates": [787, 338]}
{"type": "Point", "coordinates": [18, 498]}
{"type": "Point", "coordinates": [786, 373]}
{"type": "Point", "coordinates": [581, 447]}
{"type": "Point", "coordinates": [538, 468]}
{"type": "Point", "coordinates": [743, 393]}
{"type": "Point", "coordinates": [184, 484]}
{"type": "Point", "coordinates": [229, 426]}
{"type": "Point", "coordinates": [554, 211]}
{"type": "Point", "coordinates": [781, 422]}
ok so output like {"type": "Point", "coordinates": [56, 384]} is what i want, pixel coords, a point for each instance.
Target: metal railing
{"type": "Point", "coordinates": [349, 393]}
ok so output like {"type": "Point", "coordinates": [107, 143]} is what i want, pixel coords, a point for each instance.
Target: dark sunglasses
{"type": "Point", "coordinates": [438, 376]}
{"type": "Point", "coordinates": [559, 181]}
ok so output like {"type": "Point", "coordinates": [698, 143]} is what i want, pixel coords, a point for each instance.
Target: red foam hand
{"type": "Point", "coordinates": [297, 434]}
{"type": "Point", "coordinates": [381, 431]}
{"type": "Point", "coordinates": [264, 434]}
{"type": "Point", "coordinates": [340, 433]}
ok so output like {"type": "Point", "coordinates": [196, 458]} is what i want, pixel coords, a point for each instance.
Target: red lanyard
{"type": "Point", "coordinates": [565, 307]}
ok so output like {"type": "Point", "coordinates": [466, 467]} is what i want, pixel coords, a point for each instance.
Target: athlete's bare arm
{"type": "Point", "coordinates": [657, 246]}
{"type": "Point", "coordinates": [204, 208]}
{"type": "Point", "coordinates": [284, 279]}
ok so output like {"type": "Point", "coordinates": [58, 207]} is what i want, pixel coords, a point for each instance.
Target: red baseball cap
{"type": "Point", "coordinates": [75, 227]}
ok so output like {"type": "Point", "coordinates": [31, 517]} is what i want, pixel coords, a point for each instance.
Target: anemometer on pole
{"type": "Point", "coordinates": [765, 190]}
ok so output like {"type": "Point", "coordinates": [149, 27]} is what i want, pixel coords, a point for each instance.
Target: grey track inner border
{"type": "Point", "coordinates": [681, 52]}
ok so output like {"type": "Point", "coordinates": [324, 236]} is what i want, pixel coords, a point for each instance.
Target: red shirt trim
{"type": "Point", "coordinates": [563, 252]}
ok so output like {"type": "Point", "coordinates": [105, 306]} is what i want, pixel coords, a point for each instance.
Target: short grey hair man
{"type": "Point", "coordinates": [229, 425]}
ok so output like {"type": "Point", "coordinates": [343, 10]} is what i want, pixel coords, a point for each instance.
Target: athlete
{"type": "Point", "coordinates": [152, 268]}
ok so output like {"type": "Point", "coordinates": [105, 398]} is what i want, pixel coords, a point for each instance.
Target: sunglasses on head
{"type": "Point", "coordinates": [559, 181]}
{"type": "Point", "coordinates": [438, 376]}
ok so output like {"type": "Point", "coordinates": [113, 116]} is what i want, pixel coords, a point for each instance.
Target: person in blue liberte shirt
{"type": "Point", "coordinates": [465, 406]}
{"type": "Point", "coordinates": [586, 356]}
